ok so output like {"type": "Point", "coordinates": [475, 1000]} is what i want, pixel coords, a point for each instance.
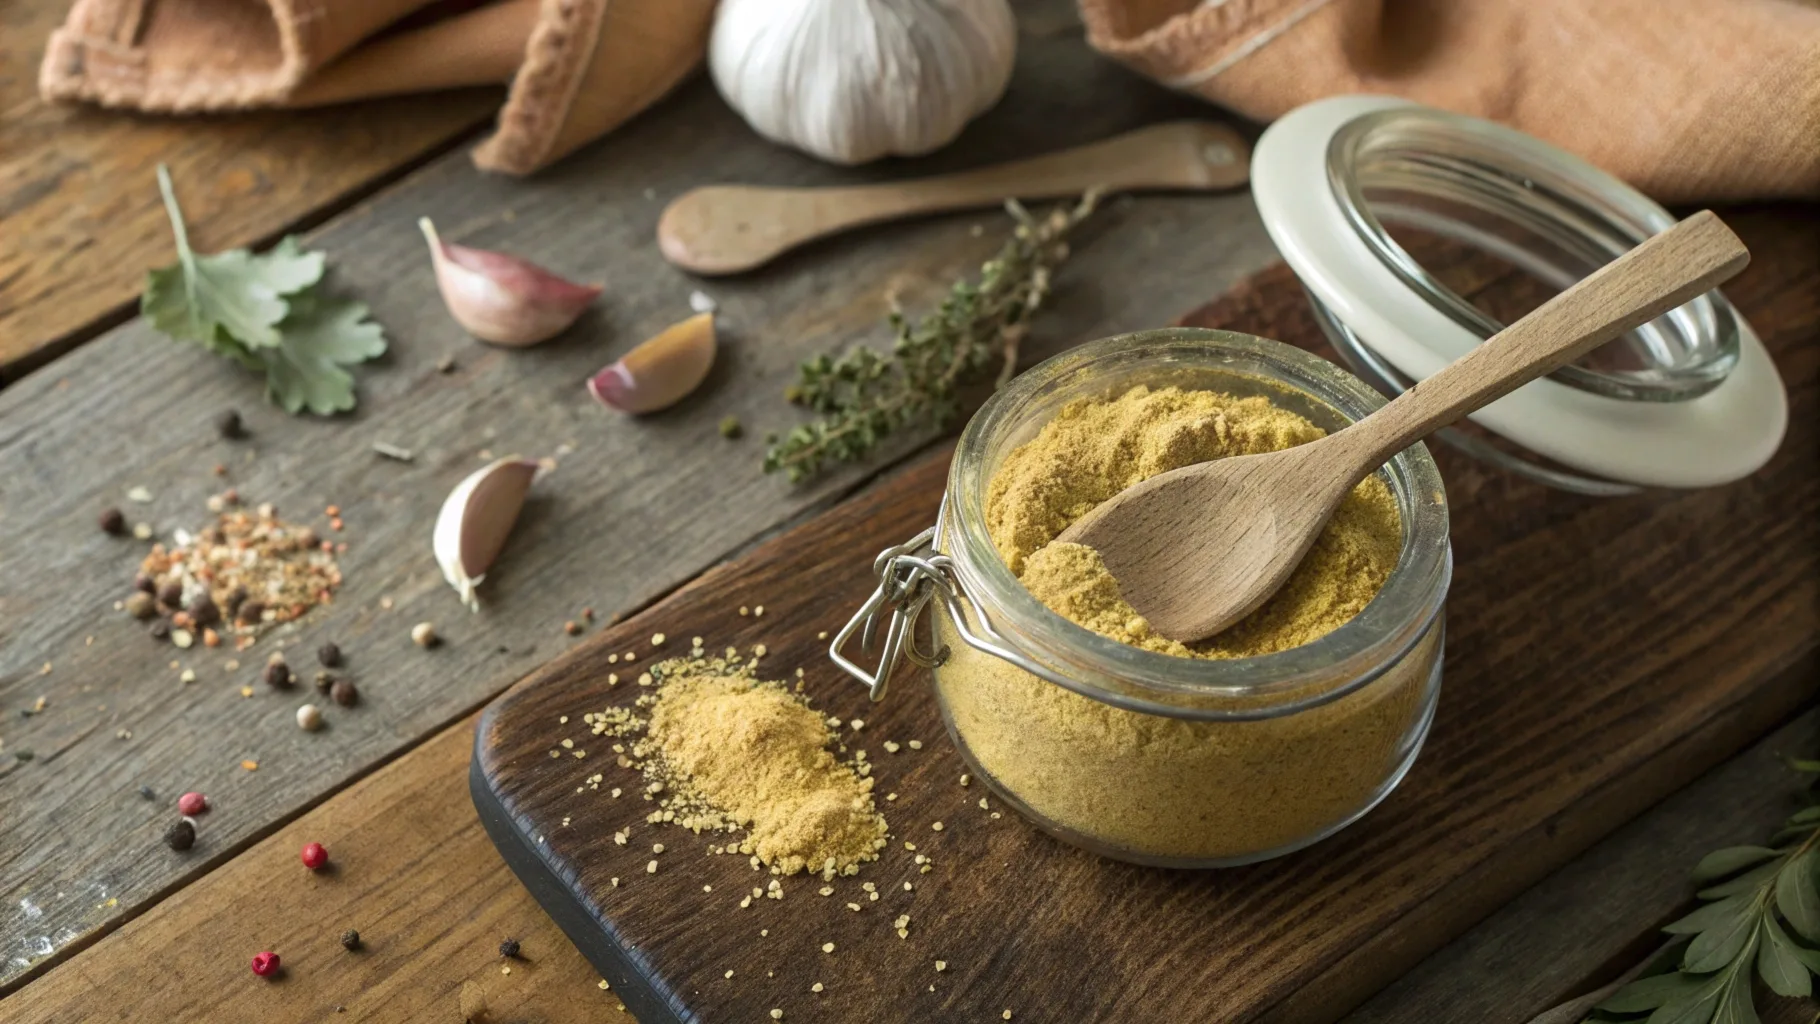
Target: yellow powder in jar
{"type": "Point", "coordinates": [1155, 786]}
{"type": "Point", "coordinates": [1092, 450]}
{"type": "Point", "coordinates": [756, 754]}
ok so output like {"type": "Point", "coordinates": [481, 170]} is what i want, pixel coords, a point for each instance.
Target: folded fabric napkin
{"type": "Point", "coordinates": [576, 68]}
{"type": "Point", "coordinates": [1685, 99]}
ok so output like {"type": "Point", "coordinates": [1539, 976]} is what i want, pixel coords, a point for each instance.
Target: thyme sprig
{"type": "Point", "coordinates": [1760, 909]}
{"type": "Point", "coordinates": [862, 396]}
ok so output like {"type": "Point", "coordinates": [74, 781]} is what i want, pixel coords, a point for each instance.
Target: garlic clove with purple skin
{"type": "Point", "coordinates": [475, 520]}
{"type": "Point", "coordinates": [659, 372]}
{"type": "Point", "coordinates": [501, 298]}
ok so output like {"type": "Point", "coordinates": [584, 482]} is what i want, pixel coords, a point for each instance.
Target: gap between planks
{"type": "Point", "coordinates": [48, 351]}
{"type": "Point", "coordinates": [234, 850]}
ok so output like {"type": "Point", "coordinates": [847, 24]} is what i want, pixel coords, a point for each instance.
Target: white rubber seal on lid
{"type": "Point", "coordinates": [1717, 437]}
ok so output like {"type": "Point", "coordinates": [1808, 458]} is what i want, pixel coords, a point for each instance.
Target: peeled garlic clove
{"type": "Point", "coordinates": [503, 299]}
{"type": "Point", "coordinates": [660, 372]}
{"type": "Point", "coordinates": [475, 520]}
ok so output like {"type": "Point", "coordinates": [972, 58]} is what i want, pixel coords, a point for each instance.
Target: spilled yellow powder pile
{"type": "Point", "coordinates": [723, 751]}
{"type": "Point", "coordinates": [1155, 787]}
{"type": "Point", "coordinates": [759, 755]}
{"type": "Point", "coordinates": [1092, 450]}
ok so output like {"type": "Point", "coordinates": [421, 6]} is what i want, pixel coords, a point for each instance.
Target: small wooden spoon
{"type": "Point", "coordinates": [1198, 548]}
{"type": "Point", "coordinates": [723, 229]}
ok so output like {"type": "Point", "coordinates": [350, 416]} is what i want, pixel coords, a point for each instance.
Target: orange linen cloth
{"type": "Point", "coordinates": [1685, 99]}
{"type": "Point", "coordinates": [576, 69]}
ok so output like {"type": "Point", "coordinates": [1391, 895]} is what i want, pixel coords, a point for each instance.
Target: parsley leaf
{"type": "Point", "coordinates": [267, 312]}
{"type": "Point", "coordinates": [228, 297]}
{"type": "Point", "coordinates": [321, 335]}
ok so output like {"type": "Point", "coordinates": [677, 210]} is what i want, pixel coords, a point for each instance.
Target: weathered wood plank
{"type": "Point", "coordinates": [413, 873]}
{"type": "Point", "coordinates": [431, 897]}
{"type": "Point", "coordinates": [80, 219]}
{"type": "Point", "coordinates": [637, 507]}
{"type": "Point", "coordinates": [1595, 917]}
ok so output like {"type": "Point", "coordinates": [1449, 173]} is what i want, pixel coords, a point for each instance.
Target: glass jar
{"type": "Point", "coordinates": [1419, 233]}
{"type": "Point", "coordinates": [1141, 756]}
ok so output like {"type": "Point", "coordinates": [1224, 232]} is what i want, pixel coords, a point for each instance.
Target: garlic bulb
{"type": "Point", "coordinates": [853, 80]}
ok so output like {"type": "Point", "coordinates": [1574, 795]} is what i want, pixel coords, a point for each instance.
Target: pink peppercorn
{"type": "Point", "coordinates": [265, 964]}
{"type": "Point", "coordinates": [192, 803]}
{"type": "Point", "coordinates": [314, 856]}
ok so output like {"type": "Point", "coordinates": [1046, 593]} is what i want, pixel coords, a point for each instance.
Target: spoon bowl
{"type": "Point", "coordinates": [1196, 549]}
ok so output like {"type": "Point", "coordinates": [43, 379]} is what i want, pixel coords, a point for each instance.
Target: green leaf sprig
{"type": "Point", "coordinates": [862, 396]}
{"type": "Point", "coordinates": [268, 311]}
{"type": "Point", "coordinates": [1759, 919]}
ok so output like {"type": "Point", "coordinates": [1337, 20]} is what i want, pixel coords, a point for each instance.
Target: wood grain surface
{"type": "Point", "coordinates": [417, 876]}
{"type": "Point", "coordinates": [411, 871]}
{"type": "Point", "coordinates": [1586, 923]}
{"type": "Point", "coordinates": [635, 508]}
{"type": "Point", "coordinates": [80, 221]}
{"type": "Point", "coordinates": [1592, 669]}
{"type": "Point", "coordinates": [1567, 933]}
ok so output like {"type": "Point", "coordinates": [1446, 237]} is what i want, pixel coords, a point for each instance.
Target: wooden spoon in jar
{"type": "Point", "coordinates": [1196, 549]}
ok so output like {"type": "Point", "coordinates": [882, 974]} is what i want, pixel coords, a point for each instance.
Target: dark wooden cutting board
{"type": "Point", "coordinates": [1600, 654]}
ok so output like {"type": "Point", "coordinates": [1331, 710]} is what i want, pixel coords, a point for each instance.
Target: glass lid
{"type": "Point", "coordinates": [1486, 223]}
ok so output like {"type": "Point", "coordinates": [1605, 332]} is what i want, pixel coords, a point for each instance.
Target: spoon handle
{"type": "Point", "coordinates": [1667, 270]}
{"type": "Point", "coordinates": [723, 229]}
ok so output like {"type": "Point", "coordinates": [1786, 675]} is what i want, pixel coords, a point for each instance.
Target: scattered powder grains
{"type": "Point", "coordinates": [1162, 786]}
{"type": "Point", "coordinates": [724, 751]}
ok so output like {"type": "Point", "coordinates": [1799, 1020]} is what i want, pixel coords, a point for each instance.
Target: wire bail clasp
{"type": "Point", "coordinates": [910, 575]}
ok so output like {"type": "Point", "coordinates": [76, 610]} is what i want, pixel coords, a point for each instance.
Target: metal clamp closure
{"type": "Point", "coordinates": [910, 576]}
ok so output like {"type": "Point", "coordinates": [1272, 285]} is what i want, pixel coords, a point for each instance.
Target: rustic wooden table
{"type": "Point", "coordinates": [101, 921]}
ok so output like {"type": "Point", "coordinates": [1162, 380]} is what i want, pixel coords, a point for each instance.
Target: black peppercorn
{"type": "Point", "coordinates": [145, 583]}
{"type": "Point", "coordinates": [277, 675]}
{"type": "Point", "coordinates": [350, 940]}
{"type": "Point", "coordinates": [509, 948]}
{"type": "Point", "coordinates": [203, 611]}
{"type": "Point", "coordinates": [112, 521]}
{"type": "Point", "coordinates": [181, 835]}
{"type": "Point", "coordinates": [235, 598]}
{"type": "Point", "coordinates": [230, 426]}
{"type": "Point", "coordinates": [171, 594]}
{"type": "Point", "coordinates": [344, 694]}
{"type": "Point", "coordinates": [250, 613]}
{"type": "Point", "coordinates": [161, 630]}
{"type": "Point", "coordinates": [329, 655]}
